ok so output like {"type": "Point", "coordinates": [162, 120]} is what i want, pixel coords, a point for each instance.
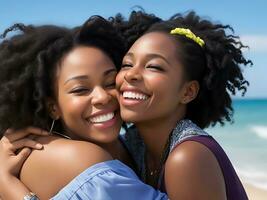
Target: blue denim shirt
{"type": "Point", "coordinates": [108, 180]}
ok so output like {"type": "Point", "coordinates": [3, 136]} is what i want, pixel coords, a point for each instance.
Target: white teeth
{"type": "Point", "coordinates": [134, 95]}
{"type": "Point", "coordinates": [102, 118]}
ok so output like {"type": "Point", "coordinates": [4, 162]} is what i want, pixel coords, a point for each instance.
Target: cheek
{"type": "Point", "coordinates": [165, 90]}
{"type": "Point", "coordinates": [114, 93]}
{"type": "Point", "coordinates": [71, 105]}
{"type": "Point", "coordinates": [120, 78]}
{"type": "Point", "coordinates": [115, 97]}
{"type": "Point", "coordinates": [157, 84]}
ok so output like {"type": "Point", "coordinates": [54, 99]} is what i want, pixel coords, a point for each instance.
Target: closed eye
{"type": "Point", "coordinates": [79, 91]}
{"type": "Point", "coordinates": [155, 67]}
{"type": "Point", "coordinates": [126, 65]}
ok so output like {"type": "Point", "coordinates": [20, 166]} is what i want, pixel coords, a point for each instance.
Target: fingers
{"type": "Point", "coordinates": [26, 142]}
{"type": "Point", "coordinates": [13, 135]}
{"type": "Point", "coordinates": [23, 155]}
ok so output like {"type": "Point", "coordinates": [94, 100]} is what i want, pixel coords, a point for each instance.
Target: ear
{"type": "Point", "coordinates": [191, 89]}
{"type": "Point", "coordinates": [52, 108]}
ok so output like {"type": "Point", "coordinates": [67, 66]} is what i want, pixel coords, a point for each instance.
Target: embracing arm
{"type": "Point", "coordinates": [46, 172]}
{"type": "Point", "coordinates": [15, 148]}
{"type": "Point", "coordinates": [192, 172]}
{"type": "Point", "coordinates": [12, 188]}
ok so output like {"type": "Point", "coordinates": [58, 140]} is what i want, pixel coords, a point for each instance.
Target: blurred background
{"type": "Point", "coordinates": [245, 141]}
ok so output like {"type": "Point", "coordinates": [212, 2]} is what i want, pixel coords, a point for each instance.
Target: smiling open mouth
{"type": "Point", "coordinates": [102, 118]}
{"type": "Point", "coordinates": [134, 95]}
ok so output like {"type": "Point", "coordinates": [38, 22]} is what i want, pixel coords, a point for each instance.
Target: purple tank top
{"type": "Point", "coordinates": [186, 130]}
{"type": "Point", "coordinates": [234, 188]}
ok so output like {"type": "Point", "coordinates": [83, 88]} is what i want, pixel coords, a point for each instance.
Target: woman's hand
{"type": "Point", "coordinates": [15, 147]}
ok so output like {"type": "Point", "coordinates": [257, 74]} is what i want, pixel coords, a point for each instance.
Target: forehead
{"type": "Point", "coordinates": [85, 59]}
{"type": "Point", "coordinates": [156, 42]}
{"type": "Point", "coordinates": [86, 56]}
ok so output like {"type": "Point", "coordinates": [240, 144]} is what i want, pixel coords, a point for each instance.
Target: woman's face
{"type": "Point", "coordinates": [86, 95]}
{"type": "Point", "coordinates": [151, 84]}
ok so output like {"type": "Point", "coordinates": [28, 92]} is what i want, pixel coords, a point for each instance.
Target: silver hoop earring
{"type": "Point", "coordinates": [52, 126]}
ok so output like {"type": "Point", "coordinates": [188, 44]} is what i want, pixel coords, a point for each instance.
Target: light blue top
{"type": "Point", "coordinates": [108, 180]}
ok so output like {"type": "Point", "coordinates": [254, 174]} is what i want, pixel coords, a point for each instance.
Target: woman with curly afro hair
{"type": "Point", "coordinates": [176, 79]}
{"type": "Point", "coordinates": [53, 75]}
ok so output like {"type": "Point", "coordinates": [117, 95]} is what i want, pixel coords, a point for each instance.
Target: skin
{"type": "Point", "coordinates": [84, 89]}
{"type": "Point", "coordinates": [152, 68]}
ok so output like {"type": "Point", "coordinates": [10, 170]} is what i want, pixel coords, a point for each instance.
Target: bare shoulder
{"type": "Point", "coordinates": [47, 171]}
{"type": "Point", "coordinates": [191, 152]}
{"type": "Point", "coordinates": [191, 171]}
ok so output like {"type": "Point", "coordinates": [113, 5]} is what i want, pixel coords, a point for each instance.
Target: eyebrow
{"type": "Point", "coordinates": [150, 56]}
{"type": "Point", "coordinates": [82, 77]}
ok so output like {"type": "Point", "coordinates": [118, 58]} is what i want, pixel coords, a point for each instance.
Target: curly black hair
{"type": "Point", "coordinates": [135, 26]}
{"type": "Point", "coordinates": [28, 62]}
{"type": "Point", "coordinates": [216, 65]}
{"type": "Point", "coordinates": [18, 63]}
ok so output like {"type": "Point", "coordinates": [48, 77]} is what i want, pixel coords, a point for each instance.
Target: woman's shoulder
{"type": "Point", "coordinates": [197, 169]}
{"type": "Point", "coordinates": [48, 170]}
{"type": "Point", "coordinates": [190, 151]}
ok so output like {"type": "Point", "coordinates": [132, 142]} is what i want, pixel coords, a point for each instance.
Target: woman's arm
{"type": "Point", "coordinates": [192, 172]}
{"type": "Point", "coordinates": [12, 188]}
{"type": "Point", "coordinates": [12, 158]}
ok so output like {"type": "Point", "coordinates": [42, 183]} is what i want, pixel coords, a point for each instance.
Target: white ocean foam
{"type": "Point", "coordinates": [255, 178]}
{"type": "Point", "coordinates": [260, 131]}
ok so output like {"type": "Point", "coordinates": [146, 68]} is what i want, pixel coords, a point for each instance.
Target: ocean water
{"type": "Point", "coordinates": [245, 141]}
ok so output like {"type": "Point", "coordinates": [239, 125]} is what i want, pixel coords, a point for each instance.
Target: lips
{"type": "Point", "coordinates": [131, 96]}
{"type": "Point", "coordinates": [134, 95]}
{"type": "Point", "coordinates": [131, 92]}
{"type": "Point", "coordinates": [102, 117]}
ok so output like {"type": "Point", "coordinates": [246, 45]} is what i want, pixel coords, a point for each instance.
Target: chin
{"type": "Point", "coordinates": [107, 140]}
{"type": "Point", "coordinates": [108, 136]}
{"type": "Point", "coordinates": [131, 117]}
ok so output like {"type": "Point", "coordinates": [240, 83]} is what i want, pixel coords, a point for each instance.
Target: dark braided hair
{"type": "Point", "coordinates": [216, 66]}
{"type": "Point", "coordinates": [29, 61]}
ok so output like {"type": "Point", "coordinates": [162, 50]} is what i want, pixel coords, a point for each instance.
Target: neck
{"type": "Point", "coordinates": [155, 134]}
{"type": "Point", "coordinates": [114, 148]}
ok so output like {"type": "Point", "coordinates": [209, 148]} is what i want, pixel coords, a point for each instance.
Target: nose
{"type": "Point", "coordinates": [133, 74]}
{"type": "Point", "coordinates": [100, 96]}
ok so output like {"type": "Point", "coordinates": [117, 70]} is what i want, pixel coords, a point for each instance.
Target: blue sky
{"type": "Point", "coordinates": [249, 20]}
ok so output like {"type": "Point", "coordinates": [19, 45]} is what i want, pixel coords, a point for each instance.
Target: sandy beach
{"type": "Point", "coordinates": [255, 193]}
